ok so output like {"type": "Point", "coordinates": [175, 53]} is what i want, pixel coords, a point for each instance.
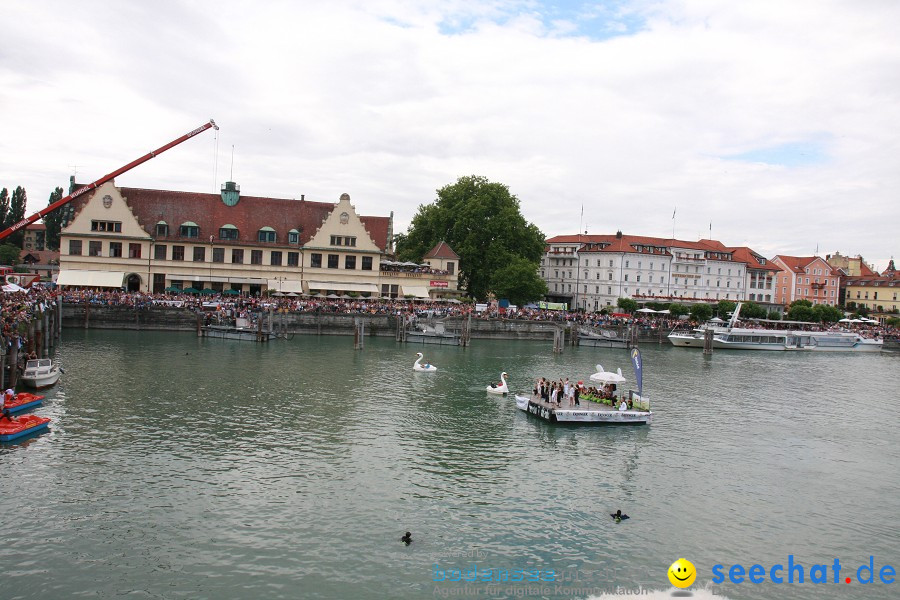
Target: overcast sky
{"type": "Point", "coordinates": [775, 122]}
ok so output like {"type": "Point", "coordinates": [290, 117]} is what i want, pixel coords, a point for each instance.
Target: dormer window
{"type": "Point", "coordinates": [162, 229]}
{"type": "Point", "coordinates": [293, 236]}
{"type": "Point", "coordinates": [228, 232]}
{"type": "Point", "coordinates": [266, 234]}
{"type": "Point", "coordinates": [189, 229]}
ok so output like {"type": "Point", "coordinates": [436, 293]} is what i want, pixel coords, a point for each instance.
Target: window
{"type": "Point", "coordinates": [95, 248]}
{"type": "Point", "coordinates": [337, 240]}
{"type": "Point", "coordinates": [107, 226]}
{"type": "Point", "coordinates": [237, 256]}
{"type": "Point", "coordinates": [293, 238]}
{"type": "Point", "coordinates": [626, 263]}
{"type": "Point", "coordinates": [218, 255]}
{"type": "Point", "coordinates": [639, 264]}
{"type": "Point", "coordinates": [367, 263]}
{"type": "Point", "coordinates": [333, 260]}
{"type": "Point", "coordinates": [275, 258]}
{"type": "Point", "coordinates": [159, 252]}
{"type": "Point", "coordinates": [199, 253]}
{"type": "Point", "coordinates": [349, 262]}
{"type": "Point", "coordinates": [266, 234]}
{"type": "Point", "coordinates": [189, 229]}
{"type": "Point", "coordinates": [450, 267]}
{"type": "Point", "coordinates": [315, 260]}
{"type": "Point", "coordinates": [638, 278]}
{"type": "Point", "coordinates": [293, 259]}
{"type": "Point", "coordinates": [610, 263]}
{"type": "Point", "coordinates": [162, 230]}
{"type": "Point", "coordinates": [609, 290]}
{"type": "Point", "coordinates": [134, 250]}
{"type": "Point", "coordinates": [609, 276]}
{"type": "Point", "coordinates": [75, 247]}
{"type": "Point", "coordinates": [177, 252]}
{"type": "Point", "coordinates": [228, 232]}
{"type": "Point", "coordinates": [626, 276]}
{"type": "Point", "coordinates": [598, 262]}
{"type": "Point", "coordinates": [256, 257]}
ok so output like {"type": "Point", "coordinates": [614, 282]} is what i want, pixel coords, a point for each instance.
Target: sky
{"type": "Point", "coordinates": [767, 124]}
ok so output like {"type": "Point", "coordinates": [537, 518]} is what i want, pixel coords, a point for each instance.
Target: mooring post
{"type": "Point", "coordinates": [708, 342]}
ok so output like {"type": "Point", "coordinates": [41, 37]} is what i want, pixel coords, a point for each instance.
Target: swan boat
{"type": "Point", "coordinates": [503, 388]}
{"type": "Point", "coordinates": [732, 337]}
{"type": "Point", "coordinates": [16, 427]}
{"type": "Point", "coordinates": [40, 373]}
{"type": "Point", "coordinates": [426, 368]}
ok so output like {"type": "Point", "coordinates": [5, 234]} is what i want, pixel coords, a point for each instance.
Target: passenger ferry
{"type": "Point", "coordinates": [731, 337]}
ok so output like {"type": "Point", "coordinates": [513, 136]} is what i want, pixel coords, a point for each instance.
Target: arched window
{"type": "Point", "coordinates": [266, 234]}
{"type": "Point", "coordinates": [228, 232]}
{"type": "Point", "coordinates": [189, 229]}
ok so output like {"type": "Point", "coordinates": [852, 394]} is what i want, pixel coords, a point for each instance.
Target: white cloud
{"type": "Point", "coordinates": [389, 101]}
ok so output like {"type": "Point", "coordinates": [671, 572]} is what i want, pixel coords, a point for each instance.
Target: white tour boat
{"type": "Point", "coordinates": [732, 337]}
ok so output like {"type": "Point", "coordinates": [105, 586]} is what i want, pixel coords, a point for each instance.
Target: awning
{"type": "Point", "coordinates": [414, 290]}
{"type": "Point", "coordinates": [247, 280]}
{"type": "Point", "coordinates": [342, 286]}
{"type": "Point", "coordinates": [112, 279]}
{"type": "Point", "coordinates": [286, 285]}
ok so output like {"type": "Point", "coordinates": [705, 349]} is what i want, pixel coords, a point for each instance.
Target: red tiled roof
{"type": "Point", "coordinates": [442, 250]}
{"type": "Point", "coordinates": [798, 264]}
{"type": "Point", "coordinates": [627, 243]}
{"type": "Point", "coordinates": [746, 255]}
{"type": "Point", "coordinates": [249, 215]}
{"type": "Point", "coordinates": [36, 227]}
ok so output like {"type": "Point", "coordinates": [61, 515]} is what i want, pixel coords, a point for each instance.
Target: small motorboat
{"type": "Point", "coordinates": [23, 401]}
{"type": "Point", "coordinates": [12, 428]}
{"type": "Point", "coordinates": [40, 373]}
{"type": "Point", "coordinates": [501, 388]}
{"type": "Point", "coordinates": [426, 368]}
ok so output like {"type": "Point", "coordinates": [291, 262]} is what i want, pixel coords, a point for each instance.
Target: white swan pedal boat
{"type": "Point", "coordinates": [503, 388]}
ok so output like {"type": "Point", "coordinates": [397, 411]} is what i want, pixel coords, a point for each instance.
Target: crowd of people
{"type": "Point", "coordinates": [560, 391]}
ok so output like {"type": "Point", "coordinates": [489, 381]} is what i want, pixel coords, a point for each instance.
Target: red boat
{"type": "Point", "coordinates": [12, 428]}
{"type": "Point", "coordinates": [23, 401]}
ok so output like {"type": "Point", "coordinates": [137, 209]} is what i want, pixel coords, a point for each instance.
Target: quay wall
{"type": "Point", "coordinates": [159, 318]}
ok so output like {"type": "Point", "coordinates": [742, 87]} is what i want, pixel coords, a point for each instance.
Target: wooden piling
{"type": "Point", "coordinates": [708, 342]}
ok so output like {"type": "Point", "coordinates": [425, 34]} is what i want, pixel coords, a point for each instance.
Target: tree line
{"type": "Point", "coordinates": [13, 209]}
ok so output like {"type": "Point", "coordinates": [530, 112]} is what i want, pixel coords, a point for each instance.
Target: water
{"type": "Point", "coordinates": [186, 468]}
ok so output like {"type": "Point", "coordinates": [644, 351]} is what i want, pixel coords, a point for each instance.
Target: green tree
{"type": "Point", "coordinates": [9, 254]}
{"type": "Point", "coordinates": [627, 305]}
{"type": "Point", "coordinates": [801, 312]}
{"type": "Point", "coordinates": [17, 206]}
{"type": "Point", "coordinates": [701, 312]}
{"type": "Point", "coordinates": [805, 303]}
{"type": "Point", "coordinates": [678, 309]}
{"type": "Point", "coordinates": [774, 315]}
{"type": "Point", "coordinates": [825, 313]}
{"type": "Point", "coordinates": [482, 222]}
{"type": "Point", "coordinates": [53, 221]}
{"type": "Point", "coordinates": [893, 322]}
{"type": "Point", "coordinates": [724, 308]}
{"type": "Point", "coordinates": [752, 310]}
{"type": "Point", "coordinates": [4, 208]}
{"type": "Point", "coordinates": [518, 282]}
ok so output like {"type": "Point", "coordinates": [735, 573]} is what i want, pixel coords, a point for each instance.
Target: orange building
{"type": "Point", "coordinates": [806, 278]}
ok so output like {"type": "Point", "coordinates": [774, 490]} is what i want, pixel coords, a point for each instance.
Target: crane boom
{"type": "Point", "coordinates": [62, 202]}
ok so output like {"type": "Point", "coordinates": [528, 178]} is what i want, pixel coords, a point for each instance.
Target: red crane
{"type": "Point", "coordinates": [62, 202]}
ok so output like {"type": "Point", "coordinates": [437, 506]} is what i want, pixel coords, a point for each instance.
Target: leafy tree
{"type": "Point", "coordinates": [825, 313]}
{"type": "Point", "coordinates": [678, 309]}
{"type": "Point", "coordinates": [518, 282]}
{"type": "Point", "coordinates": [805, 303]}
{"type": "Point", "coordinates": [9, 254]}
{"type": "Point", "coordinates": [4, 208]}
{"type": "Point", "coordinates": [17, 213]}
{"type": "Point", "coordinates": [774, 315]}
{"type": "Point", "coordinates": [701, 312]}
{"type": "Point", "coordinates": [801, 312]}
{"type": "Point", "coordinates": [482, 222]}
{"type": "Point", "coordinates": [752, 310]}
{"type": "Point", "coordinates": [893, 322]}
{"type": "Point", "coordinates": [627, 305]}
{"type": "Point", "coordinates": [53, 221]}
{"type": "Point", "coordinates": [724, 308]}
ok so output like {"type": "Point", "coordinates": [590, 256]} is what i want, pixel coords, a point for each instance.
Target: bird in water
{"type": "Point", "coordinates": [618, 516]}
{"type": "Point", "coordinates": [407, 539]}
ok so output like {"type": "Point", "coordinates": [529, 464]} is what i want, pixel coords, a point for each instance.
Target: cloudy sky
{"type": "Point", "coordinates": [775, 122]}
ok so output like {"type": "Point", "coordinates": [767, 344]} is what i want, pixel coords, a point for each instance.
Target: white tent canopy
{"type": "Point", "coordinates": [110, 279]}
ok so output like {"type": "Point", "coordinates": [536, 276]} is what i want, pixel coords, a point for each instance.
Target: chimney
{"type": "Point", "coordinates": [619, 235]}
{"type": "Point", "coordinates": [302, 197]}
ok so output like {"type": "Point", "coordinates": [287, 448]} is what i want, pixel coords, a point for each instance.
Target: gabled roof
{"type": "Point", "coordinates": [631, 243]}
{"type": "Point", "coordinates": [249, 215]}
{"type": "Point", "coordinates": [798, 264]}
{"type": "Point", "coordinates": [442, 250]}
{"type": "Point", "coordinates": [746, 255]}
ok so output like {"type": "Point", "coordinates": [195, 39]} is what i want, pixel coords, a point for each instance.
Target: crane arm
{"type": "Point", "coordinates": [93, 185]}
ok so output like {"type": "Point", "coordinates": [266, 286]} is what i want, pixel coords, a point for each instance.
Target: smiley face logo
{"type": "Point", "coordinates": [682, 573]}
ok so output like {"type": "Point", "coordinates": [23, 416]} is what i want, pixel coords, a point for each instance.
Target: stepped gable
{"type": "Point", "coordinates": [249, 215]}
